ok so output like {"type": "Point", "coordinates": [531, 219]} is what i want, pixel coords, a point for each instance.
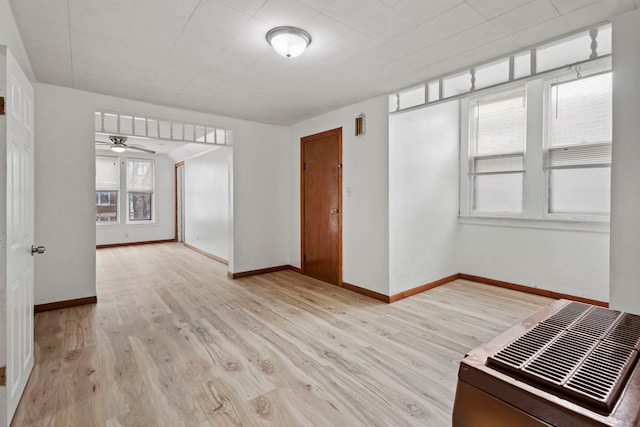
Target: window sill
{"type": "Point", "coordinates": [536, 223]}
{"type": "Point", "coordinates": [128, 224]}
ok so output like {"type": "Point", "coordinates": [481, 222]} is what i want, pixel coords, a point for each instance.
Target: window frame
{"type": "Point", "coordinates": [123, 198]}
{"type": "Point", "coordinates": [473, 155]}
{"type": "Point", "coordinates": [535, 196]}
{"type": "Point", "coordinates": [548, 83]}
{"type": "Point", "coordinates": [153, 192]}
{"type": "Point", "coordinates": [118, 191]}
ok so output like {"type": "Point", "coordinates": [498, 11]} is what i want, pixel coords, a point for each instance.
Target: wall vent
{"type": "Point", "coordinates": [581, 352]}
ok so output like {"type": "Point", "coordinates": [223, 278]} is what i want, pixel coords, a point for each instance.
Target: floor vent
{"type": "Point", "coordinates": [581, 352]}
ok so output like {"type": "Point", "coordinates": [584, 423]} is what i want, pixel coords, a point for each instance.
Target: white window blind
{"type": "Point", "coordinates": [500, 124]}
{"type": "Point", "coordinates": [498, 137]}
{"type": "Point", "coordinates": [581, 111]}
{"type": "Point", "coordinates": [139, 176]}
{"type": "Point", "coordinates": [107, 173]}
{"type": "Point", "coordinates": [496, 164]}
{"type": "Point", "coordinates": [579, 156]}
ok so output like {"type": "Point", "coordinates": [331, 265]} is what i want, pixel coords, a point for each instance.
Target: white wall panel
{"type": "Point", "coordinates": [423, 195]}
{"type": "Point", "coordinates": [207, 202]}
{"type": "Point", "coordinates": [625, 173]}
{"type": "Point", "coordinates": [365, 194]}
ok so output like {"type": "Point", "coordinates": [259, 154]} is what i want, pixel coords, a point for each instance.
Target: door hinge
{"type": "Point", "coordinates": [339, 165]}
{"type": "Point", "coordinates": [304, 166]}
{"type": "Point", "coordinates": [1, 105]}
{"type": "Point", "coordinates": [3, 375]}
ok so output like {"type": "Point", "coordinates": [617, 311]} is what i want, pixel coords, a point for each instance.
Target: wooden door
{"type": "Point", "coordinates": [321, 200]}
{"type": "Point", "coordinates": [18, 223]}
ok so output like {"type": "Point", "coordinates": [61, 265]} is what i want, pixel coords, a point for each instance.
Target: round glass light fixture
{"type": "Point", "coordinates": [118, 148]}
{"type": "Point", "coordinates": [288, 41]}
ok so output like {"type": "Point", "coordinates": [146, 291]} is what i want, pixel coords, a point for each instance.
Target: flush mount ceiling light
{"type": "Point", "coordinates": [288, 41]}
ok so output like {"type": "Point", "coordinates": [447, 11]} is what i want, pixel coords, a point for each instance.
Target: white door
{"type": "Point", "coordinates": [180, 200]}
{"type": "Point", "coordinates": [19, 145]}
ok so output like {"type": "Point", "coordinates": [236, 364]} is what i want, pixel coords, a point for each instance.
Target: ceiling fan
{"type": "Point", "coordinates": [118, 144]}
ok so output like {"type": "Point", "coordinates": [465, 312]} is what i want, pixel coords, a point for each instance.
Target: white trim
{"type": "Point", "coordinates": [536, 223]}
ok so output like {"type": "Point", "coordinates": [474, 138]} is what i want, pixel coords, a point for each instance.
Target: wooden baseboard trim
{"type": "Point", "coordinates": [422, 288]}
{"type": "Point", "coordinates": [146, 242]}
{"type": "Point", "coordinates": [366, 292]}
{"type": "Point", "coordinates": [531, 290]}
{"type": "Point", "coordinates": [257, 272]}
{"type": "Point", "coordinates": [207, 254]}
{"type": "Point", "coordinates": [39, 308]}
{"type": "Point", "coordinates": [296, 269]}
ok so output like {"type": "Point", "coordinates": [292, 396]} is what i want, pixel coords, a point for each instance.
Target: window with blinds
{"type": "Point", "coordinates": [140, 186]}
{"type": "Point", "coordinates": [496, 160]}
{"type": "Point", "coordinates": [578, 153]}
{"type": "Point", "coordinates": [107, 188]}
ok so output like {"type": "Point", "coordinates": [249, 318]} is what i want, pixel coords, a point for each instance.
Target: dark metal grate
{"type": "Point", "coordinates": [569, 314]}
{"type": "Point", "coordinates": [596, 321]}
{"type": "Point", "coordinates": [521, 350]}
{"type": "Point", "coordinates": [626, 331]}
{"type": "Point", "coordinates": [602, 381]}
{"type": "Point", "coordinates": [583, 352]}
{"type": "Point", "coordinates": [560, 359]}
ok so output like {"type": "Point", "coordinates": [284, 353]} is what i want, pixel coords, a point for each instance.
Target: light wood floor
{"type": "Point", "coordinates": [174, 342]}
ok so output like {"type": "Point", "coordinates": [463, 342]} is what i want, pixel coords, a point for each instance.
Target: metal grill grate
{"type": "Point", "coordinates": [569, 314]}
{"type": "Point", "coordinates": [626, 331]}
{"type": "Point", "coordinates": [601, 381]}
{"type": "Point", "coordinates": [583, 352]}
{"type": "Point", "coordinates": [521, 350]}
{"type": "Point", "coordinates": [560, 359]}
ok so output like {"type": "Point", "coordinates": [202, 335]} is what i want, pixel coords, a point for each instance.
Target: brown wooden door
{"type": "Point", "coordinates": [322, 206]}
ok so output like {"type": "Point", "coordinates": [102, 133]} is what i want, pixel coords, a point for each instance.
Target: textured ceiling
{"type": "Point", "coordinates": [212, 56]}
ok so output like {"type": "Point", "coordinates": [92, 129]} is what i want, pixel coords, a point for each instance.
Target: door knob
{"type": "Point", "coordinates": [37, 249]}
{"type": "Point", "coordinates": [334, 210]}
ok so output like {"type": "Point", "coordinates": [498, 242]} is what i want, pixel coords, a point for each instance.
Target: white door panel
{"type": "Point", "coordinates": [17, 142]}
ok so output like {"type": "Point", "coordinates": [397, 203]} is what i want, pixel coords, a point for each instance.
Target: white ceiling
{"type": "Point", "coordinates": [212, 56]}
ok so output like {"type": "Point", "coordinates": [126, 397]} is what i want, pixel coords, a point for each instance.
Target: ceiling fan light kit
{"type": "Point", "coordinates": [119, 144]}
{"type": "Point", "coordinates": [288, 41]}
{"type": "Point", "coordinates": [118, 148]}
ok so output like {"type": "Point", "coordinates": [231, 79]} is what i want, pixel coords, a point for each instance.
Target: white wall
{"type": "Point", "coordinates": [10, 37]}
{"type": "Point", "coordinates": [65, 188]}
{"type": "Point", "coordinates": [625, 173]}
{"type": "Point", "coordinates": [207, 202]}
{"type": "Point", "coordinates": [164, 209]}
{"type": "Point", "coordinates": [570, 262]}
{"type": "Point", "coordinates": [423, 195]}
{"type": "Point", "coordinates": [365, 193]}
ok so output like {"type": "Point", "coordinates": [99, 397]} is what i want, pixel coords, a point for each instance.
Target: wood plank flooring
{"type": "Point", "coordinates": [174, 342]}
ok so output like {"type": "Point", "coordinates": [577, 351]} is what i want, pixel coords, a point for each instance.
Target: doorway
{"type": "Point", "coordinates": [179, 180]}
{"type": "Point", "coordinates": [321, 206]}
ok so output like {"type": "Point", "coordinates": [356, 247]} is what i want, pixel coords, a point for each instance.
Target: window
{"type": "Point", "coordinates": [542, 149]}
{"type": "Point", "coordinates": [107, 186]}
{"type": "Point", "coordinates": [139, 190]}
{"type": "Point", "coordinates": [578, 154]}
{"type": "Point", "coordinates": [496, 161]}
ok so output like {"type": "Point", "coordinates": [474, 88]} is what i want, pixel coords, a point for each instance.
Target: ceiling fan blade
{"type": "Point", "coordinates": [146, 150]}
{"type": "Point", "coordinates": [102, 142]}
